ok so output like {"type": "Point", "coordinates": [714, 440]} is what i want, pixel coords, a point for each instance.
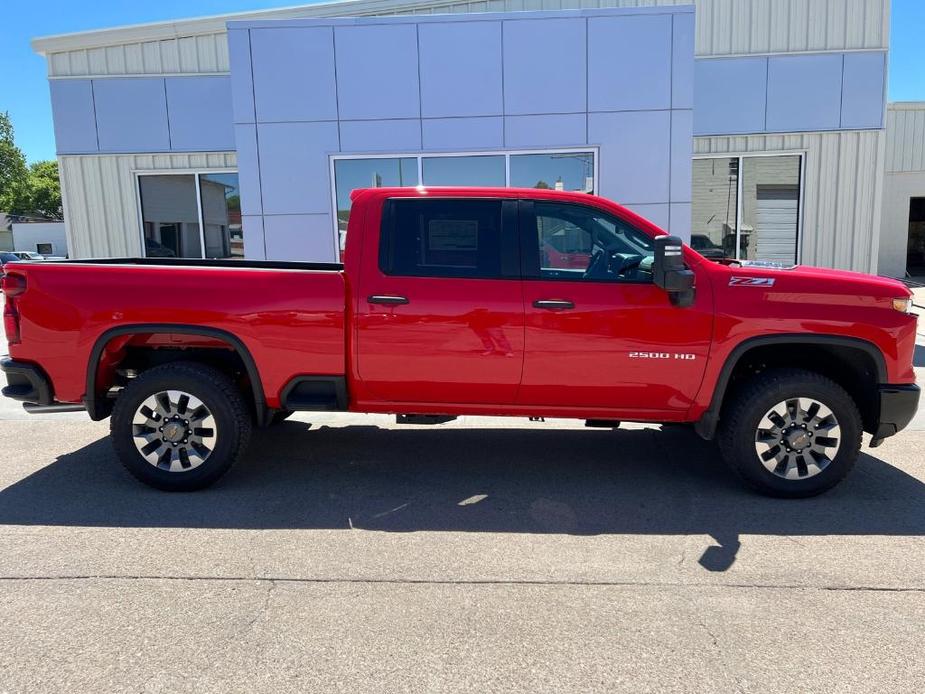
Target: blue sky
{"type": "Point", "coordinates": [24, 91]}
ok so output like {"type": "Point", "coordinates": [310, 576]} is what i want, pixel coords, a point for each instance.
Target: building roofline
{"type": "Point", "coordinates": [906, 106]}
{"type": "Point", "coordinates": [155, 31]}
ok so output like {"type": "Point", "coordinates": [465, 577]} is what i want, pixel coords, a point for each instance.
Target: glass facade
{"type": "Point", "coordinates": [552, 169]}
{"type": "Point", "coordinates": [464, 171]}
{"type": "Point", "coordinates": [180, 222]}
{"type": "Point", "coordinates": [375, 172]}
{"type": "Point", "coordinates": [558, 171]}
{"type": "Point", "coordinates": [715, 202]}
{"type": "Point", "coordinates": [770, 208]}
{"type": "Point", "coordinates": [221, 215]}
{"type": "Point", "coordinates": [746, 208]}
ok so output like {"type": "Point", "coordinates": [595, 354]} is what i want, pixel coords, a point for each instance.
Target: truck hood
{"type": "Point", "coordinates": [816, 279]}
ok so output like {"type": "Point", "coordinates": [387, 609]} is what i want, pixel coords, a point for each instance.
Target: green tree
{"type": "Point", "coordinates": [13, 171]}
{"type": "Point", "coordinates": [33, 189]}
{"type": "Point", "coordinates": [43, 190]}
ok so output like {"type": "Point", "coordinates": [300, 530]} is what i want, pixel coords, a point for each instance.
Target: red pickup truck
{"type": "Point", "coordinates": [468, 301]}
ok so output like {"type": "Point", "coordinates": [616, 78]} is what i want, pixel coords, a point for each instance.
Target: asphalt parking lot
{"type": "Point", "coordinates": [347, 554]}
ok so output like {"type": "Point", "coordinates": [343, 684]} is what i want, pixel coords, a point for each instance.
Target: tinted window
{"type": "Point", "coordinates": [582, 243]}
{"type": "Point", "coordinates": [442, 238]}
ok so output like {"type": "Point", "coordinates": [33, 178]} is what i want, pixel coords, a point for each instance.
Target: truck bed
{"type": "Point", "coordinates": [287, 317]}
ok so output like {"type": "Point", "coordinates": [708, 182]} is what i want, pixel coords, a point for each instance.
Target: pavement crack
{"type": "Point", "coordinates": [273, 580]}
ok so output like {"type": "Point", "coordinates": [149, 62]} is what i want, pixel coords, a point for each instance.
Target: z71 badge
{"type": "Point", "coordinates": [751, 281]}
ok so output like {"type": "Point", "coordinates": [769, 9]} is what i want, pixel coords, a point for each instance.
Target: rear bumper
{"type": "Point", "coordinates": [898, 405]}
{"type": "Point", "coordinates": [26, 382]}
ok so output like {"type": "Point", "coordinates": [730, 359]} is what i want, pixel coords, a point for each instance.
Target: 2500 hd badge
{"type": "Point", "coordinates": [663, 355]}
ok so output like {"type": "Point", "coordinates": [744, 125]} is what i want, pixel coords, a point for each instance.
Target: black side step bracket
{"type": "Point", "coordinates": [602, 423]}
{"type": "Point", "coordinates": [423, 418]}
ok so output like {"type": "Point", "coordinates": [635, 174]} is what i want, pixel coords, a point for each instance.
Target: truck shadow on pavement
{"type": "Point", "coordinates": [583, 482]}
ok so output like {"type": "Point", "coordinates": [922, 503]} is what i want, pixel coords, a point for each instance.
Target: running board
{"type": "Point", "coordinates": [32, 408]}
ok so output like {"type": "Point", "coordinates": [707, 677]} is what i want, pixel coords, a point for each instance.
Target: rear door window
{"type": "Point", "coordinates": [446, 238]}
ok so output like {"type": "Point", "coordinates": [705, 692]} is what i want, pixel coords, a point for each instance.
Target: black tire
{"type": "Point", "coordinates": [216, 391]}
{"type": "Point", "coordinates": [754, 398]}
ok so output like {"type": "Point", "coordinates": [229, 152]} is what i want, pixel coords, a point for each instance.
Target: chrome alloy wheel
{"type": "Point", "coordinates": [797, 438]}
{"type": "Point", "coordinates": [174, 431]}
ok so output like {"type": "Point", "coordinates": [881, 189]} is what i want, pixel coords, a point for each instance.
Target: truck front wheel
{"type": "Point", "coordinates": [791, 433]}
{"type": "Point", "coordinates": [180, 426]}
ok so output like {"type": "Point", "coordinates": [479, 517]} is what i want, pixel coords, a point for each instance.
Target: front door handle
{"type": "Point", "coordinates": [387, 299]}
{"type": "Point", "coordinates": [554, 304]}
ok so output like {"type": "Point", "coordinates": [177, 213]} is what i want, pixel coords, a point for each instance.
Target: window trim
{"type": "Point", "coordinates": [530, 269]}
{"type": "Point", "coordinates": [740, 189]}
{"type": "Point", "coordinates": [137, 174]}
{"type": "Point", "coordinates": [593, 150]}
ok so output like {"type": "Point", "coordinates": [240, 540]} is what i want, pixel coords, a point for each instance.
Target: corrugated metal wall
{"type": "Point", "coordinates": [101, 202]}
{"type": "Point", "coordinates": [905, 132]}
{"type": "Point", "coordinates": [842, 190]}
{"type": "Point", "coordinates": [724, 27]}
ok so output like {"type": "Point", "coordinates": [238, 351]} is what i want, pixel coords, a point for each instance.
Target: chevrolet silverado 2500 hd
{"type": "Point", "coordinates": [470, 301]}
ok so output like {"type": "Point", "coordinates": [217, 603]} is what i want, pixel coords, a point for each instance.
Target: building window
{"type": "Point", "coordinates": [191, 215]}
{"type": "Point", "coordinates": [555, 169]}
{"type": "Point", "coordinates": [373, 172]}
{"type": "Point", "coordinates": [464, 171]}
{"type": "Point", "coordinates": [747, 207]}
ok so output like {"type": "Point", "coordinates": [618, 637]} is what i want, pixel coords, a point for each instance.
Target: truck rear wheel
{"type": "Point", "coordinates": [791, 433]}
{"type": "Point", "coordinates": [180, 426]}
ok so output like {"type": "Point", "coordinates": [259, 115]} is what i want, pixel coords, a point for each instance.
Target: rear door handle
{"type": "Point", "coordinates": [554, 304]}
{"type": "Point", "coordinates": [387, 299]}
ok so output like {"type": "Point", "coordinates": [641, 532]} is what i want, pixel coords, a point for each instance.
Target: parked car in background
{"type": "Point", "coordinates": [155, 250]}
{"type": "Point", "coordinates": [8, 257]}
{"type": "Point", "coordinates": [28, 255]}
{"type": "Point", "coordinates": [705, 247]}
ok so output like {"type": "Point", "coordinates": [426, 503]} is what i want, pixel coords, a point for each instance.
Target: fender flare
{"type": "Point", "coordinates": [98, 410]}
{"type": "Point", "coordinates": [708, 422]}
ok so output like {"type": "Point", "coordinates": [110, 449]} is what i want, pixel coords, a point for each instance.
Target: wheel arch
{"type": "Point", "coordinates": [98, 408]}
{"type": "Point", "coordinates": [837, 345]}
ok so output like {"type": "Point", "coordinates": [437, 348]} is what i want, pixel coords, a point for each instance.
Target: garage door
{"type": "Point", "coordinates": [777, 213]}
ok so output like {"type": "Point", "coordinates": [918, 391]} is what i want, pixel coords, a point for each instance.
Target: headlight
{"type": "Point", "coordinates": [903, 305]}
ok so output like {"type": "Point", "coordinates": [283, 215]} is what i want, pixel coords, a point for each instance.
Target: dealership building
{"type": "Point", "coordinates": [757, 129]}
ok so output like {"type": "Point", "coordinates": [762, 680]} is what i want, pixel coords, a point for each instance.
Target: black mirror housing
{"type": "Point", "coordinates": [669, 271]}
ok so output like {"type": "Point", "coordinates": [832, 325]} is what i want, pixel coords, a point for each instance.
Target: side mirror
{"type": "Point", "coordinates": [670, 273]}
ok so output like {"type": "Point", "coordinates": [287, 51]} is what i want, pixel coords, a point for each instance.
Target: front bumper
{"type": "Point", "coordinates": [26, 382]}
{"type": "Point", "coordinates": [898, 405]}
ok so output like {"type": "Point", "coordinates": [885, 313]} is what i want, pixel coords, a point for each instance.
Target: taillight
{"type": "Point", "coordinates": [13, 286]}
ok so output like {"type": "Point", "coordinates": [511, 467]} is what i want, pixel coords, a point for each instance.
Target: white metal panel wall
{"type": "Point", "coordinates": [724, 27]}
{"type": "Point", "coordinates": [842, 191]}
{"type": "Point", "coordinates": [905, 137]}
{"type": "Point", "coordinates": [101, 203]}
